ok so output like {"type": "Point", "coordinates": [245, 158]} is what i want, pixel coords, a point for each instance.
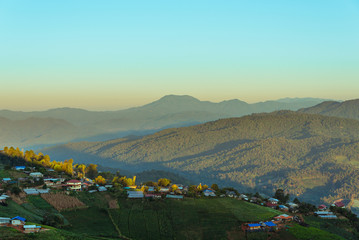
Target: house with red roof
{"type": "Point", "coordinates": [283, 218]}
{"type": "Point", "coordinates": [322, 207]}
{"type": "Point", "coordinates": [271, 205]}
{"type": "Point", "coordinates": [339, 204]}
{"type": "Point", "coordinates": [73, 184]}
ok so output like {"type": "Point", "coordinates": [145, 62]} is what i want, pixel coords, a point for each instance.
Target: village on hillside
{"type": "Point", "coordinates": [56, 184]}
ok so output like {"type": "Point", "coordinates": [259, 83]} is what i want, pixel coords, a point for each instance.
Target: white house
{"type": "Point", "coordinates": [36, 174]}
{"type": "Point", "coordinates": [135, 194]}
{"type": "Point", "coordinates": [209, 193]}
{"type": "Point", "coordinates": [31, 228]}
{"type": "Point", "coordinates": [273, 200]}
{"type": "Point", "coordinates": [73, 184]}
{"type": "Point", "coordinates": [164, 190]}
{"type": "Point", "coordinates": [18, 221]}
{"type": "Point", "coordinates": [4, 221]}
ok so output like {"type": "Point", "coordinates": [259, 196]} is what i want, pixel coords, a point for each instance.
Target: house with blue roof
{"type": "Point", "coordinates": [18, 221]}
{"type": "Point", "coordinates": [283, 207]}
{"type": "Point", "coordinates": [6, 179]}
{"type": "Point", "coordinates": [20, 168]}
{"type": "Point", "coordinates": [269, 226]}
{"type": "Point", "coordinates": [254, 227]}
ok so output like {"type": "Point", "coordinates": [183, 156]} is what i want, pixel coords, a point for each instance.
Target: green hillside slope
{"type": "Point", "coordinates": [314, 157]}
{"type": "Point", "coordinates": [346, 109]}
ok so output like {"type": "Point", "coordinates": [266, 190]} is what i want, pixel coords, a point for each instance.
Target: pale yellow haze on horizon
{"type": "Point", "coordinates": [104, 102]}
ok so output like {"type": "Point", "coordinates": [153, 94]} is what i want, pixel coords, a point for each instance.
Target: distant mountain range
{"type": "Point", "coordinates": [311, 156]}
{"type": "Point", "coordinates": [41, 128]}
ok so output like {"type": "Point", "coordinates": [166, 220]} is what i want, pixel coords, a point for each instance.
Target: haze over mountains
{"type": "Point", "coordinates": [41, 128]}
{"type": "Point", "coordinates": [312, 156]}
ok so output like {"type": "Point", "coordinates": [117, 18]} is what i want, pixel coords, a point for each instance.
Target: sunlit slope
{"type": "Point", "coordinates": [312, 156]}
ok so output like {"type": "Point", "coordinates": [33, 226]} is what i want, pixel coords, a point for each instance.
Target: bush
{"type": "Point", "coordinates": [54, 220]}
{"type": "Point", "coordinates": [15, 190]}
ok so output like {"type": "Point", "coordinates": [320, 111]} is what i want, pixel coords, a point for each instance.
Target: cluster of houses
{"type": "Point", "coordinates": [150, 192]}
{"type": "Point", "coordinates": [325, 214]}
{"type": "Point", "coordinates": [50, 182]}
{"type": "Point", "coordinates": [154, 193]}
{"type": "Point", "coordinates": [19, 223]}
{"type": "Point", "coordinates": [271, 226]}
{"type": "Point", "coordinates": [163, 192]}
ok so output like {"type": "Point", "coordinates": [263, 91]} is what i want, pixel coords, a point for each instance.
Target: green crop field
{"type": "Point", "coordinates": [90, 222]}
{"type": "Point", "coordinates": [188, 219]}
{"type": "Point", "coordinates": [217, 218]}
{"type": "Point", "coordinates": [13, 210]}
{"type": "Point", "coordinates": [168, 219]}
{"type": "Point", "coordinates": [311, 233]}
{"type": "Point", "coordinates": [339, 227]}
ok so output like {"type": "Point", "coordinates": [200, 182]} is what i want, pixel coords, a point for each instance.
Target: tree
{"type": "Point", "coordinates": [279, 194]}
{"type": "Point", "coordinates": [257, 195]}
{"type": "Point", "coordinates": [151, 184]}
{"type": "Point", "coordinates": [124, 181]}
{"type": "Point", "coordinates": [54, 220]}
{"type": "Point", "coordinates": [215, 187]}
{"type": "Point", "coordinates": [296, 201]}
{"type": "Point", "coordinates": [15, 190]}
{"type": "Point", "coordinates": [100, 180]}
{"type": "Point", "coordinates": [192, 188]}
{"type": "Point", "coordinates": [174, 187]}
{"type": "Point", "coordinates": [91, 171]}
{"type": "Point", "coordinates": [164, 182]}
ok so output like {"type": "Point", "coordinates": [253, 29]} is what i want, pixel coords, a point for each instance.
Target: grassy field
{"type": "Point", "coordinates": [13, 210]}
{"type": "Point", "coordinates": [11, 173]}
{"type": "Point", "coordinates": [37, 205]}
{"type": "Point", "coordinates": [312, 233]}
{"type": "Point", "coordinates": [168, 219]}
{"type": "Point", "coordinates": [188, 219]}
{"type": "Point", "coordinates": [93, 199]}
{"type": "Point", "coordinates": [218, 218]}
{"type": "Point", "coordinates": [91, 222]}
{"type": "Point", "coordinates": [12, 234]}
{"type": "Point", "coordinates": [336, 226]}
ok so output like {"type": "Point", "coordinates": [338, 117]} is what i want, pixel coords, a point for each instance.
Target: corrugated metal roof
{"type": "Point", "coordinates": [323, 213]}
{"type": "Point", "coordinates": [174, 196]}
{"type": "Point", "coordinates": [254, 225]}
{"type": "Point", "coordinates": [270, 224]}
{"type": "Point", "coordinates": [29, 226]}
{"type": "Point", "coordinates": [328, 216]}
{"type": "Point", "coordinates": [19, 218]}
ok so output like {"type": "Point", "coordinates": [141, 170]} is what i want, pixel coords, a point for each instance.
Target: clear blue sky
{"type": "Point", "coordinates": [116, 54]}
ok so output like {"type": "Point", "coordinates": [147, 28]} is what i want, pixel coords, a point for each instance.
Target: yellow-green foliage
{"type": "Point", "coordinates": [124, 181]}
{"type": "Point", "coordinates": [164, 182]}
{"type": "Point", "coordinates": [40, 159]}
{"type": "Point", "coordinates": [100, 180]}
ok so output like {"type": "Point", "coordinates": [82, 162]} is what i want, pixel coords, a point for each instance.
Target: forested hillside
{"type": "Point", "coordinates": [311, 156]}
{"type": "Point", "coordinates": [347, 109]}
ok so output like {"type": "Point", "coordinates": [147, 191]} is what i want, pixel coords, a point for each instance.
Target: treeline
{"type": "Point", "coordinates": [14, 156]}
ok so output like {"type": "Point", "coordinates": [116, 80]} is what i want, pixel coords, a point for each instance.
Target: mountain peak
{"type": "Point", "coordinates": [173, 97]}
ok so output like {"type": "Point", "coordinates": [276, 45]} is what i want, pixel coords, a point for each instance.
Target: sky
{"type": "Point", "coordinates": [114, 54]}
